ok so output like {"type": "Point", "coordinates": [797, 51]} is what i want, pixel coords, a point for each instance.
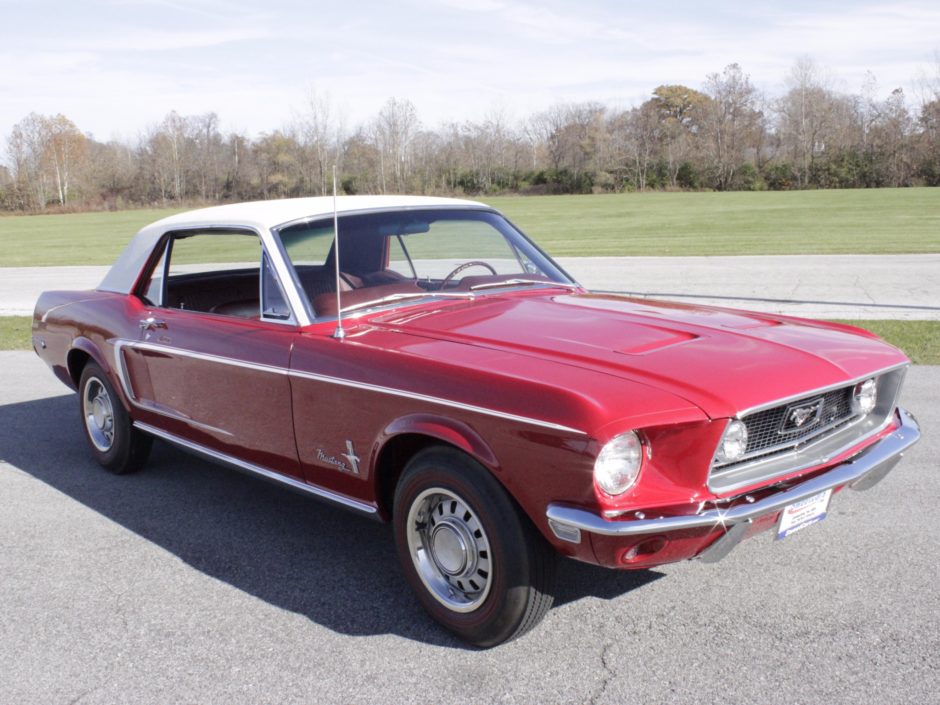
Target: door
{"type": "Point", "coordinates": [210, 366]}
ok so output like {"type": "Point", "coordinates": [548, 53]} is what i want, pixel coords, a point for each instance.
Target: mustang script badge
{"type": "Point", "coordinates": [353, 459]}
{"type": "Point", "coordinates": [800, 416]}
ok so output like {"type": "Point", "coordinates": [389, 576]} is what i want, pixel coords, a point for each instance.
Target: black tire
{"type": "Point", "coordinates": [115, 443]}
{"type": "Point", "coordinates": [476, 563]}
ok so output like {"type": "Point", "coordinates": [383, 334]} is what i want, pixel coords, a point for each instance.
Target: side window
{"type": "Point", "coordinates": [273, 302]}
{"type": "Point", "coordinates": [153, 293]}
{"type": "Point", "coordinates": [222, 273]}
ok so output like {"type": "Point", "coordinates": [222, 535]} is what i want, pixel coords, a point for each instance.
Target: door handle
{"type": "Point", "coordinates": [151, 323]}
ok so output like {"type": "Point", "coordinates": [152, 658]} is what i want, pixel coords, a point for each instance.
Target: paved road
{"type": "Point", "coordinates": [191, 583]}
{"type": "Point", "coordinates": [831, 286]}
{"type": "Point", "coordinates": [843, 286]}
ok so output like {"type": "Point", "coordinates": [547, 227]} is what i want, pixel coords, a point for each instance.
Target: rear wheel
{"type": "Point", "coordinates": [475, 561]}
{"type": "Point", "coordinates": [115, 443]}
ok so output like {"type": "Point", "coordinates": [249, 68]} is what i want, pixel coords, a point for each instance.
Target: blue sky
{"type": "Point", "coordinates": [116, 66]}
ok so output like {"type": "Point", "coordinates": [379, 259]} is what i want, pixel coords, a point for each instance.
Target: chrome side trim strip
{"type": "Point", "coordinates": [121, 367]}
{"type": "Point", "coordinates": [120, 344]}
{"type": "Point", "coordinates": [239, 464]}
{"type": "Point", "coordinates": [860, 472]}
{"type": "Point", "coordinates": [234, 362]}
{"type": "Point", "coordinates": [435, 400]}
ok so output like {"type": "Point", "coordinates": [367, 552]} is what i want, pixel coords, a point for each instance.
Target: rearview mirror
{"type": "Point", "coordinates": [405, 228]}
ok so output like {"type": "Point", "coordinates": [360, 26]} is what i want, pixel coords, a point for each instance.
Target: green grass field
{"type": "Point", "coordinates": [876, 221]}
{"type": "Point", "coordinates": [919, 339]}
{"type": "Point", "coordinates": [79, 238]}
{"type": "Point", "coordinates": [15, 333]}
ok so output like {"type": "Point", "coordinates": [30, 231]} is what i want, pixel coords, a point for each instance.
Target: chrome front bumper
{"type": "Point", "coordinates": [860, 472]}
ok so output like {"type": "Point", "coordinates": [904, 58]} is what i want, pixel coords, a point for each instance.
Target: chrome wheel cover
{"type": "Point", "coordinates": [449, 549]}
{"type": "Point", "coordinates": [98, 411]}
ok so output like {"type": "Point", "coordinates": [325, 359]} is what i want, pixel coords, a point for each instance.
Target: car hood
{"type": "Point", "coordinates": [723, 361]}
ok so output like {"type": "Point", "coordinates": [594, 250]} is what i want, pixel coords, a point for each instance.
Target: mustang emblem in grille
{"type": "Point", "coordinates": [802, 415]}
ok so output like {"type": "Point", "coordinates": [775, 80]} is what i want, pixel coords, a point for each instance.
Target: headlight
{"type": "Point", "coordinates": [865, 396]}
{"type": "Point", "coordinates": [733, 443]}
{"type": "Point", "coordinates": [618, 464]}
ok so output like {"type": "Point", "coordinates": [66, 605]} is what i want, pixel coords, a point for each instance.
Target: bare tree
{"type": "Point", "coordinates": [46, 153]}
{"type": "Point", "coordinates": [25, 146]}
{"type": "Point", "coordinates": [320, 132]}
{"type": "Point", "coordinates": [393, 131]}
{"type": "Point", "coordinates": [807, 118]}
{"type": "Point", "coordinates": [731, 122]}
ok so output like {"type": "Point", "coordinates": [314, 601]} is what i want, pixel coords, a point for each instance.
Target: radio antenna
{"type": "Point", "coordinates": [339, 333]}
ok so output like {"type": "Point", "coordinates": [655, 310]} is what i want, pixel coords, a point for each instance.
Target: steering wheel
{"type": "Point", "coordinates": [460, 268]}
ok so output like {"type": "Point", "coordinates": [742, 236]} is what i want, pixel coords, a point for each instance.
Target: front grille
{"type": "Point", "coordinates": [806, 432]}
{"type": "Point", "coordinates": [774, 429]}
{"type": "Point", "coordinates": [767, 429]}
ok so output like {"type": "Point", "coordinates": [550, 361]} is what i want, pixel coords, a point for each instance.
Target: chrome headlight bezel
{"type": "Point", "coordinates": [618, 465]}
{"type": "Point", "coordinates": [865, 396]}
{"type": "Point", "coordinates": [733, 444]}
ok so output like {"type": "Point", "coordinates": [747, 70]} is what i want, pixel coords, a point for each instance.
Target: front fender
{"type": "Point", "coordinates": [448, 430]}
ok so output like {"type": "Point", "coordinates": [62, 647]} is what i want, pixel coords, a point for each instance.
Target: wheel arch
{"type": "Point", "coordinates": [80, 353]}
{"type": "Point", "coordinates": [84, 350]}
{"type": "Point", "coordinates": [402, 439]}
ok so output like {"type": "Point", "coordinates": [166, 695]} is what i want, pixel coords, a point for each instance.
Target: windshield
{"type": "Point", "coordinates": [398, 256]}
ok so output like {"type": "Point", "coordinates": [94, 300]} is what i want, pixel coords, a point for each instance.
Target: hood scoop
{"type": "Point", "coordinates": [666, 339]}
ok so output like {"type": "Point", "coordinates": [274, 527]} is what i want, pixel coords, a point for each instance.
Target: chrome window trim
{"type": "Point", "coordinates": [153, 347]}
{"type": "Point", "coordinates": [314, 490]}
{"type": "Point", "coordinates": [266, 264]}
{"type": "Point", "coordinates": [303, 301]}
{"type": "Point", "coordinates": [819, 390]}
{"type": "Point", "coordinates": [307, 305]}
{"type": "Point", "coordinates": [269, 244]}
{"type": "Point", "coordinates": [297, 298]}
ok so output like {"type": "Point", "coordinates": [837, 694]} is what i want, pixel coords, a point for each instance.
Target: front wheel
{"type": "Point", "coordinates": [476, 563]}
{"type": "Point", "coordinates": [114, 441]}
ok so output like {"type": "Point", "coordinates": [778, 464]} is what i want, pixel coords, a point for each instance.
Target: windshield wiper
{"type": "Point", "coordinates": [404, 296]}
{"type": "Point", "coordinates": [524, 282]}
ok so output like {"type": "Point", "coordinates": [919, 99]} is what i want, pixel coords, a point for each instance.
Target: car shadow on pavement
{"type": "Point", "coordinates": [339, 570]}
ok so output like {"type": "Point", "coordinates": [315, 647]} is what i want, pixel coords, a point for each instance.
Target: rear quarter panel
{"type": "Point", "coordinates": [86, 321]}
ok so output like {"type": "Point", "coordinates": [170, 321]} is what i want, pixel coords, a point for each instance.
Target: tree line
{"type": "Point", "coordinates": [727, 136]}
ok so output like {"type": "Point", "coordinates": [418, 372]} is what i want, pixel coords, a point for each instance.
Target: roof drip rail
{"type": "Point", "coordinates": [340, 332]}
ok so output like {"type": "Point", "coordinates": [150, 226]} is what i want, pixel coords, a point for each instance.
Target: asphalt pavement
{"type": "Point", "coordinates": [815, 286]}
{"type": "Point", "coordinates": [190, 583]}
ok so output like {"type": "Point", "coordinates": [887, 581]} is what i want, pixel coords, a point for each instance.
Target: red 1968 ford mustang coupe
{"type": "Point", "coordinates": [419, 360]}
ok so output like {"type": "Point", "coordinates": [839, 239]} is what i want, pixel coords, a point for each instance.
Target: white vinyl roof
{"type": "Point", "coordinates": [264, 215]}
{"type": "Point", "coordinates": [261, 216]}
